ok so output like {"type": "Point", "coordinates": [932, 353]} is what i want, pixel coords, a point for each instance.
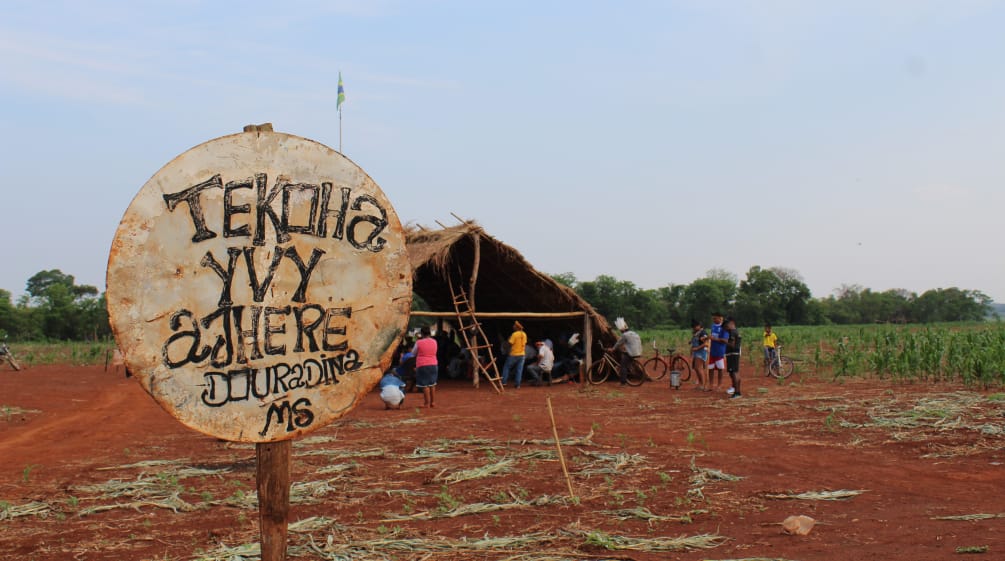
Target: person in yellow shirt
{"type": "Point", "coordinates": [770, 348]}
{"type": "Point", "coordinates": [516, 356]}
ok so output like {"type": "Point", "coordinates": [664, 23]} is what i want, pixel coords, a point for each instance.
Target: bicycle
{"type": "Point", "coordinates": [658, 366]}
{"type": "Point", "coordinates": [6, 354]}
{"type": "Point", "coordinates": [780, 367]}
{"type": "Point", "coordinates": [607, 366]}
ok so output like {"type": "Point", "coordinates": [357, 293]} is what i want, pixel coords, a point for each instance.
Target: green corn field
{"type": "Point", "coordinates": [968, 353]}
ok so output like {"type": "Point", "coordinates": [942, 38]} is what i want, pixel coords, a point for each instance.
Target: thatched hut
{"type": "Point", "coordinates": [500, 286]}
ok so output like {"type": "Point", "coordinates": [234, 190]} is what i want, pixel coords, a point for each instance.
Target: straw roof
{"type": "Point", "coordinates": [506, 282]}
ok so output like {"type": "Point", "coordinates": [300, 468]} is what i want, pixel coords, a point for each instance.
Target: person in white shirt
{"type": "Point", "coordinates": [630, 345]}
{"type": "Point", "coordinates": [541, 369]}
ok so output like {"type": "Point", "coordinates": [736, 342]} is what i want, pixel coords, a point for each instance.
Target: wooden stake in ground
{"type": "Point", "coordinates": [558, 444]}
{"type": "Point", "coordinates": [273, 475]}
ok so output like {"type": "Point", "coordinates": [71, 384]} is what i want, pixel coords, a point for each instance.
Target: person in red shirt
{"type": "Point", "coordinates": [426, 369]}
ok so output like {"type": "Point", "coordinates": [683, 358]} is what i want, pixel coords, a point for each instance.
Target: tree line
{"type": "Point", "coordinates": [55, 307]}
{"type": "Point", "coordinates": [773, 295]}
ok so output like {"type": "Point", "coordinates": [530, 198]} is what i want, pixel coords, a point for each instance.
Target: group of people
{"type": "Point", "coordinates": [541, 362]}
{"type": "Point", "coordinates": [712, 352]}
{"type": "Point", "coordinates": [719, 349]}
{"type": "Point", "coordinates": [415, 367]}
{"type": "Point", "coordinates": [418, 366]}
{"type": "Point", "coordinates": [716, 350]}
{"type": "Point", "coordinates": [419, 363]}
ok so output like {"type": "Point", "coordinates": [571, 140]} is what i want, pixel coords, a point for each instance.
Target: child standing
{"type": "Point", "coordinates": [733, 347]}
{"type": "Point", "coordinates": [770, 348]}
{"type": "Point", "coordinates": [717, 351]}
{"type": "Point", "coordinates": [699, 352]}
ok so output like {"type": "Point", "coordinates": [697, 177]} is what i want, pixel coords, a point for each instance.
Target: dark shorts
{"type": "Point", "coordinates": [732, 363]}
{"type": "Point", "coordinates": [425, 376]}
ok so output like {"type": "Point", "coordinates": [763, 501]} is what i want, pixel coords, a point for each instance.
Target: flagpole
{"type": "Point", "coordinates": [339, 100]}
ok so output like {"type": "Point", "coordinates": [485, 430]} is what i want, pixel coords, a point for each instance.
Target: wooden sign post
{"type": "Point", "coordinates": [273, 476]}
{"type": "Point", "coordinates": [257, 285]}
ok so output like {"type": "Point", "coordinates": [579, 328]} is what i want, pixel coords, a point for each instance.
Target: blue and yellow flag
{"type": "Point", "coordinates": [341, 94]}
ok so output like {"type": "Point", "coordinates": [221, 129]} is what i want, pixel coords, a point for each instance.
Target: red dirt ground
{"type": "Point", "coordinates": [945, 459]}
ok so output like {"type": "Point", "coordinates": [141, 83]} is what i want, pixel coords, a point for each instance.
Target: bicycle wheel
{"type": "Point", "coordinates": [599, 371]}
{"type": "Point", "coordinates": [655, 368]}
{"type": "Point", "coordinates": [680, 364]}
{"type": "Point", "coordinates": [782, 368]}
{"type": "Point", "coordinates": [636, 375]}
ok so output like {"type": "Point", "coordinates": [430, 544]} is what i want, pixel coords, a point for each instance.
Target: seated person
{"type": "Point", "coordinates": [542, 366]}
{"type": "Point", "coordinates": [460, 366]}
{"type": "Point", "coordinates": [566, 370]}
{"type": "Point", "coordinates": [390, 391]}
{"type": "Point", "coordinates": [568, 360]}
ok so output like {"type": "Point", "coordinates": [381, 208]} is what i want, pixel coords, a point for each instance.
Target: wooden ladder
{"type": "Point", "coordinates": [474, 338]}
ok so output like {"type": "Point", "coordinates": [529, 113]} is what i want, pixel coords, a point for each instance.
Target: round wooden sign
{"type": "Point", "coordinates": [257, 285]}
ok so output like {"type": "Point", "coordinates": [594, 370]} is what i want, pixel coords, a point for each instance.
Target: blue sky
{"type": "Point", "coordinates": [855, 142]}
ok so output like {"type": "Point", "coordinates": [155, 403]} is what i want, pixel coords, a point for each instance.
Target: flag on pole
{"type": "Point", "coordinates": [341, 94]}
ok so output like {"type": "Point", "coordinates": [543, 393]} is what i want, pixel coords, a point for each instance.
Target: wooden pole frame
{"type": "Point", "coordinates": [505, 315]}
{"type": "Point", "coordinates": [476, 240]}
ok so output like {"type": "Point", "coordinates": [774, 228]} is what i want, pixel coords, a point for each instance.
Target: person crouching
{"type": "Point", "coordinates": [391, 391]}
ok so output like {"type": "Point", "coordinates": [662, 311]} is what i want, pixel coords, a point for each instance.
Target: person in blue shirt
{"type": "Point", "coordinates": [406, 370]}
{"type": "Point", "coordinates": [719, 336]}
{"type": "Point", "coordinates": [391, 391]}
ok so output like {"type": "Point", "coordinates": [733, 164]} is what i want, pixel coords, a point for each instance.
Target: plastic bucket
{"type": "Point", "coordinates": [675, 379]}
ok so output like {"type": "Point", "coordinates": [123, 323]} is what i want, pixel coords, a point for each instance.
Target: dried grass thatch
{"type": "Point", "coordinates": [664, 543]}
{"type": "Point", "coordinates": [478, 508]}
{"type": "Point", "coordinates": [162, 491]}
{"type": "Point", "coordinates": [10, 511]}
{"type": "Point", "coordinates": [146, 464]}
{"type": "Point", "coordinates": [504, 465]}
{"type": "Point", "coordinates": [173, 503]}
{"type": "Point", "coordinates": [838, 495]}
{"type": "Point", "coordinates": [394, 547]}
{"type": "Point", "coordinates": [702, 476]}
{"type": "Point", "coordinates": [586, 440]}
{"type": "Point", "coordinates": [970, 517]}
{"type": "Point", "coordinates": [505, 282]}
{"type": "Point", "coordinates": [243, 552]}
{"type": "Point", "coordinates": [643, 513]}
{"type": "Point", "coordinates": [610, 464]}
